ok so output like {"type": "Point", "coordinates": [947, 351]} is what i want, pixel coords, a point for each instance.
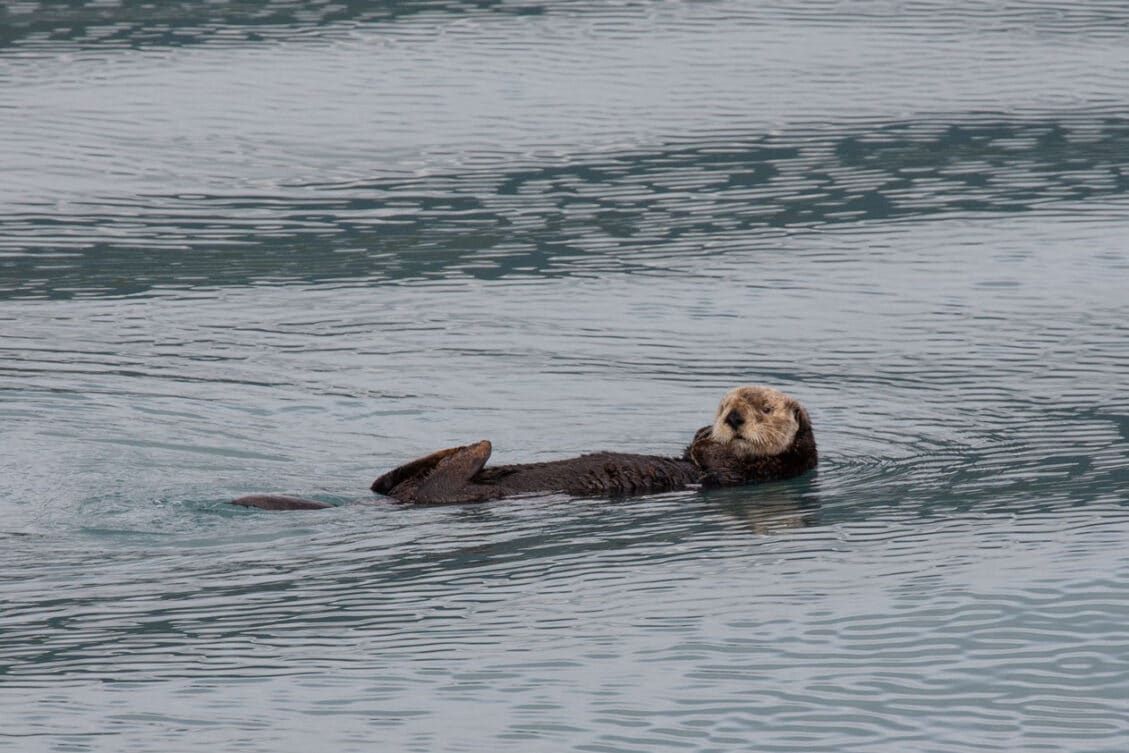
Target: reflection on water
{"type": "Point", "coordinates": [603, 211]}
{"type": "Point", "coordinates": [283, 246]}
{"type": "Point", "coordinates": [667, 612]}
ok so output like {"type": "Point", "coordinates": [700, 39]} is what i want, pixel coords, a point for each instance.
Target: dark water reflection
{"type": "Point", "coordinates": [556, 219]}
{"type": "Point", "coordinates": [284, 245]}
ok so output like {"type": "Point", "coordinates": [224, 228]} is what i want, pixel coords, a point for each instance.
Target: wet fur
{"type": "Point", "coordinates": [759, 421]}
{"type": "Point", "coordinates": [461, 477]}
{"type": "Point", "coordinates": [279, 502]}
{"type": "Point", "coordinates": [759, 434]}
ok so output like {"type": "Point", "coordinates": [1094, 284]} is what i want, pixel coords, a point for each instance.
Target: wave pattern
{"type": "Point", "coordinates": [861, 635]}
{"type": "Point", "coordinates": [283, 245]}
{"type": "Point", "coordinates": [177, 23]}
{"type": "Point", "coordinates": [589, 215]}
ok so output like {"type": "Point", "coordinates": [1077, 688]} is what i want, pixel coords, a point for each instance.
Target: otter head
{"type": "Point", "coordinates": [757, 421]}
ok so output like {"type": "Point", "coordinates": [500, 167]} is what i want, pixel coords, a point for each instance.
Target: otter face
{"type": "Point", "coordinates": [756, 421]}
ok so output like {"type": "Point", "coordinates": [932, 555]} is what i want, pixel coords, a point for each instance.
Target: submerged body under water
{"type": "Point", "coordinates": [289, 246]}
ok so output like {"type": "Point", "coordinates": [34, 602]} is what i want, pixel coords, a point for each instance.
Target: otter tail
{"type": "Point", "coordinates": [279, 502]}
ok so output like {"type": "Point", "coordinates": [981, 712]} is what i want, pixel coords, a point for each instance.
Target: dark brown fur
{"type": "Point", "coordinates": [459, 474]}
{"type": "Point", "coordinates": [721, 467]}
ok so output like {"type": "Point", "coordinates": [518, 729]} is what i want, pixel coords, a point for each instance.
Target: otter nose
{"type": "Point", "coordinates": [735, 419]}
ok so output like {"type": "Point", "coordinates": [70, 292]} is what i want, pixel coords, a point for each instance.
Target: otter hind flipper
{"type": "Point", "coordinates": [451, 480]}
{"type": "Point", "coordinates": [417, 468]}
{"type": "Point", "coordinates": [442, 476]}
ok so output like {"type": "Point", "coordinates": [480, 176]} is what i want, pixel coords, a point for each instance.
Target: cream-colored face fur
{"type": "Point", "coordinates": [756, 421]}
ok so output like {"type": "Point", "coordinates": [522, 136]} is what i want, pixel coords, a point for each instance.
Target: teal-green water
{"type": "Point", "coordinates": [283, 246]}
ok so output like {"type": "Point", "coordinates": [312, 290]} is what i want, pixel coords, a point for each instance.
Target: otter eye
{"type": "Point", "coordinates": [766, 409]}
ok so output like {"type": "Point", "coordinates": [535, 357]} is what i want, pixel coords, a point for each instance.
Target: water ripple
{"type": "Point", "coordinates": [857, 663]}
{"type": "Point", "coordinates": [285, 245]}
{"type": "Point", "coordinates": [622, 213]}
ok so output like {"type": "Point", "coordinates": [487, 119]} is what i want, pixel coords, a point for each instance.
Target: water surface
{"type": "Point", "coordinates": [282, 246]}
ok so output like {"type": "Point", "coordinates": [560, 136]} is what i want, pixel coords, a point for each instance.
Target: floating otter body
{"type": "Point", "coordinates": [458, 475]}
{"type": "Point", "coordinates": [759, 434]}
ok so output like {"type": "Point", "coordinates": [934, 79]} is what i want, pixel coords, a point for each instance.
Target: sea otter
{"type": "Point", "coordinates": [759, 434]}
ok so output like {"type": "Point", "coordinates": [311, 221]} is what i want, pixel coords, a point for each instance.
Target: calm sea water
{"type": "Point", "coordinates": [282, 246]}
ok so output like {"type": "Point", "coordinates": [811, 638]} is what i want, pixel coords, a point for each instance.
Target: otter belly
{"type": "Point", "coordinates": [597, 474]}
